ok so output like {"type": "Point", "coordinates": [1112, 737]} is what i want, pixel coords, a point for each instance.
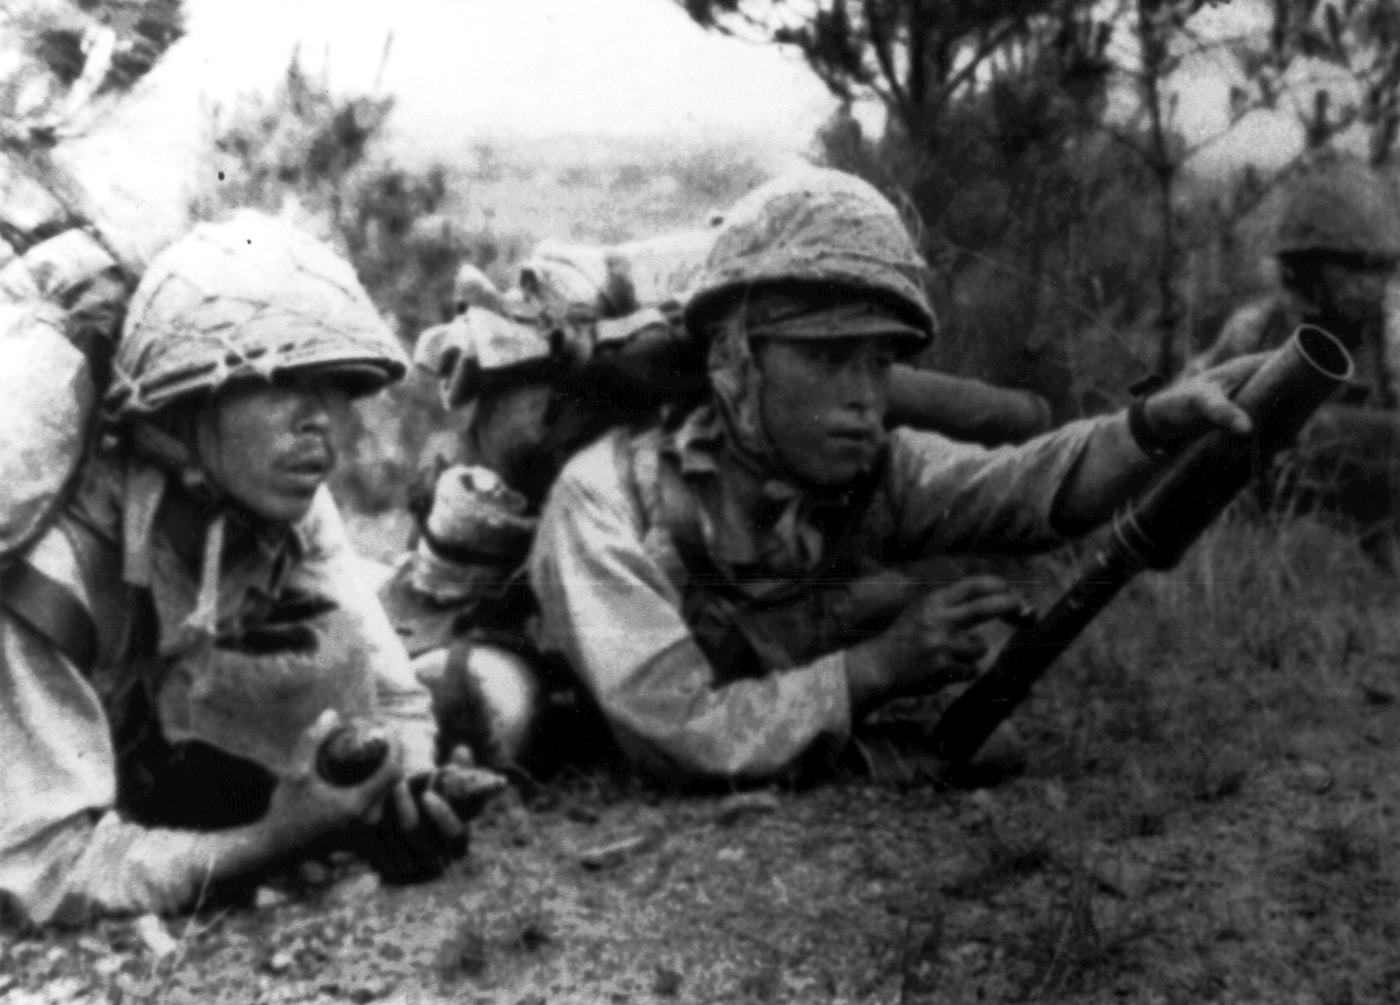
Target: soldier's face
{"type": "Point", "coordinates": [823, 402]}
{"type": "Point", "coordinates": [1355, 294]}
{"type": "Point", "coordinates": [271, 446]}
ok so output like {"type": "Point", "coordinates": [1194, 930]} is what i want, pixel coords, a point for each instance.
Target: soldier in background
{"type": "Point", "coordinates": [1337, 245]}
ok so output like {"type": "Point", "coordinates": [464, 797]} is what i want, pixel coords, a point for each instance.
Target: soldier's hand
{"type": "Point", "coordinates": [1195, 405]}
{"type": "Point", "coordinates": [424, 828]}
{"type": "Point", "coordinates": [308, 807]}
{"type": "Point", "coordinates": [934, 643]}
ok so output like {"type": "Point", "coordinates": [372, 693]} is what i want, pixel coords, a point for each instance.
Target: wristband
{"type": "Point", "coordinates": [1148, 440]}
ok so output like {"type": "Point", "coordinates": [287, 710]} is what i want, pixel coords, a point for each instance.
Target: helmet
{"type": "Point", "coordinates": [473, 288]}
{"type": "Point", "coordinates": [819, 227]}
{"type": "Point", "coordinates": [1341, 205]}
{"type": "Point", "coordinates": [250, 297]}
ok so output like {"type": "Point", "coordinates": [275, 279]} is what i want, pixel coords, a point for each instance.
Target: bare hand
{"type": "Point", "coordinates": [307, 808]}
{"type": "Point", "coordinates": [934, 643]}
{"type": "Point", "coordinates": [1196, 405]}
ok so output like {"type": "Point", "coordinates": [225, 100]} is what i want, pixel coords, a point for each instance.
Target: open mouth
{"type": "Point", "coordinates": [311, 467]}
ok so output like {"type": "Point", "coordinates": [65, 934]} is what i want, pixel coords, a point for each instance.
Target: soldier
{"type": "Point", "coordinates": [1337, 244]}
{"type": "Point", "coordinates": [175, 649]}
{"type": "Point", "coordinates": [730, 589]}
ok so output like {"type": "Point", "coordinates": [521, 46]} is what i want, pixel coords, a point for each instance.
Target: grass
{"type": "Point", "coordinates": [1205, 816]}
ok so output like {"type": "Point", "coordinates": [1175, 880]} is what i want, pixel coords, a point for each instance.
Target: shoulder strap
{"type": "Point", "coordinates": [83, 632]}
{"type": "Point", "coordinates": [52, 610]}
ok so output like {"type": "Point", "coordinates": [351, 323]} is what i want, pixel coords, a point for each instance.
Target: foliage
{"type": "Point", "coordinates": [1359, 40]}
{"type": "Point", "coordinates": [1038, 145]}
{"type": "Point", "coordinates": [60, 57]}
{"type": "Point", "coordinates": [917, 58]}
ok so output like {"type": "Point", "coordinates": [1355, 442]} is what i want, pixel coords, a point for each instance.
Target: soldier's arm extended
{"type": "Point", "coordinates": [609, 606]}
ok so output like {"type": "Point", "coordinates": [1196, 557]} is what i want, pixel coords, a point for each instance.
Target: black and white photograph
{"type": "Point", "coordinates": [619, 502]}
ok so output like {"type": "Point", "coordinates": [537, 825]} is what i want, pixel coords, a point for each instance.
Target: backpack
{"type": "Point", "coordinates": [62, 301]}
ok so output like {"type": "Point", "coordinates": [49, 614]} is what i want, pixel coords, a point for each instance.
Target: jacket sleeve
{"type": "Point", "coordinates": [608, 606]}
{"type": "Point", "coordinates": [953, 497]}
{"type": "Point", "coordinates": [352, 581]}
{"type": "Point", "coordinates": [62, 846]}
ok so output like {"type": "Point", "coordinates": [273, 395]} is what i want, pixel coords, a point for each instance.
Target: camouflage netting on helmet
{"type": "Point", "coordinates": [250, 297]}
{"type": "Point", "coordinates": [814, 226]}
{"type": "Point", "coordinates": [1338, 204]}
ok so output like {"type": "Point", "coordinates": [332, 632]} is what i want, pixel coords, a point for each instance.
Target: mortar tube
{"type": "Point", "coordinates": [963, 408]}
{"type": "Point", "coordinates": [1154, 530]}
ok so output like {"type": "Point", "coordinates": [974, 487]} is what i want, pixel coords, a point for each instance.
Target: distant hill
{"type": "Point", "coordinates": [592, 189]}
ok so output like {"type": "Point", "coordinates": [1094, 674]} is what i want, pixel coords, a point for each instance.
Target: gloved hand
{"type": "Point", "coordinates": [424, 827]}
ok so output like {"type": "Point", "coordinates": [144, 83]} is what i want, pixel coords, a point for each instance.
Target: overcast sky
{"type": "Point", "coordinates": [469, 69]}
{"type": "Point", "coordinates": [463, 68]}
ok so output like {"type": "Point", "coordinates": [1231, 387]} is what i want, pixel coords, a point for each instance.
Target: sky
{"type": "Point", "coordinates": [469, 70]}
{"type": "Point", "coordinates": [461, 71]}
{"type": "Point", "coordinates": [532, 68]}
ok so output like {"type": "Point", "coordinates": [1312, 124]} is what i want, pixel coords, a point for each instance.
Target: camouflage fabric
{"type": "Point", "coordinates": [814, 226]}
{"type": "Point", "coordinates": [248, 297]}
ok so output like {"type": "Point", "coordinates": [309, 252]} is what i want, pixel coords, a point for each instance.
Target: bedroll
{"type": "Point", "coordinates": [61, 305]}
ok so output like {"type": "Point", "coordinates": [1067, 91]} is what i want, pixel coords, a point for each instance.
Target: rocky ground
{"type": "Point", "coordinates": [1207, 814]}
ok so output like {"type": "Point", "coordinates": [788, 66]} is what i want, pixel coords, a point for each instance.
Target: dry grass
{"type": "Point", "coordinates": [1207, 815]}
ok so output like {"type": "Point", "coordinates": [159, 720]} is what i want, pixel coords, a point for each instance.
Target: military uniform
{"type": "Point", "coordinates": [91, 769]}
{"type": "Point", "coordinates": [154, 682]}
{"type": "Point", "coordinates": [705, 600]}
{"type": "Point", "coordinates": [710, 656]}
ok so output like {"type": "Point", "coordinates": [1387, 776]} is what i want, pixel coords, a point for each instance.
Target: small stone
{"type": "Point", "coordinates": [154, 937]}
{"type": "Point", "coordinates": [90, 945]}
{"type": "Point", "coordinates": [355, 889]}
{"type": "Point", "coordinates": [1123, 878]}
{"type": "Point", "coordinates": [108, 967]}
{"type": "Point", "coordinates": [1314, 777]}
{"type": "Point", "coordinates": [730, 854]}
{"type": "Point", "coordinates": [581, 814]}
{"type": "Point", "coordinates": [65, 991]}
{"type": "Point", "coordinates": [313, 873]}
{"type": "Point", "coordinates": [745, 804]}
{"type": "Point", "coordinates": [608, 855]}
{"type": "Point", "coordinates": [267, 898]}
{"type": "Point", "coordinates": [278, 963]}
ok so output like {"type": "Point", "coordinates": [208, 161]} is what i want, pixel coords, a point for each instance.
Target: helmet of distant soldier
{"type": "Point", "coordinates": [1338, 205]}
{"type": "Point", "coordinates": [816, 227]}
{"type": "Point", "coordinates": [251, 297]}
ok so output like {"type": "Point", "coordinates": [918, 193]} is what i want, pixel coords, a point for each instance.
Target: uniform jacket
{"type": "Point", "coordinates": [158, 730]}
{"type": "Point", "coordinates": [716, 654]}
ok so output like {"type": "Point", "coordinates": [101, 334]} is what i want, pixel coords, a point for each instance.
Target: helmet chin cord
{"type": "Point", "coordinates": [176, 451]}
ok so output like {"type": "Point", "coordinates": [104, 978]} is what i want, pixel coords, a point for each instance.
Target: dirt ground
{"type": "Point", "coordinates": [1207, 814]}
